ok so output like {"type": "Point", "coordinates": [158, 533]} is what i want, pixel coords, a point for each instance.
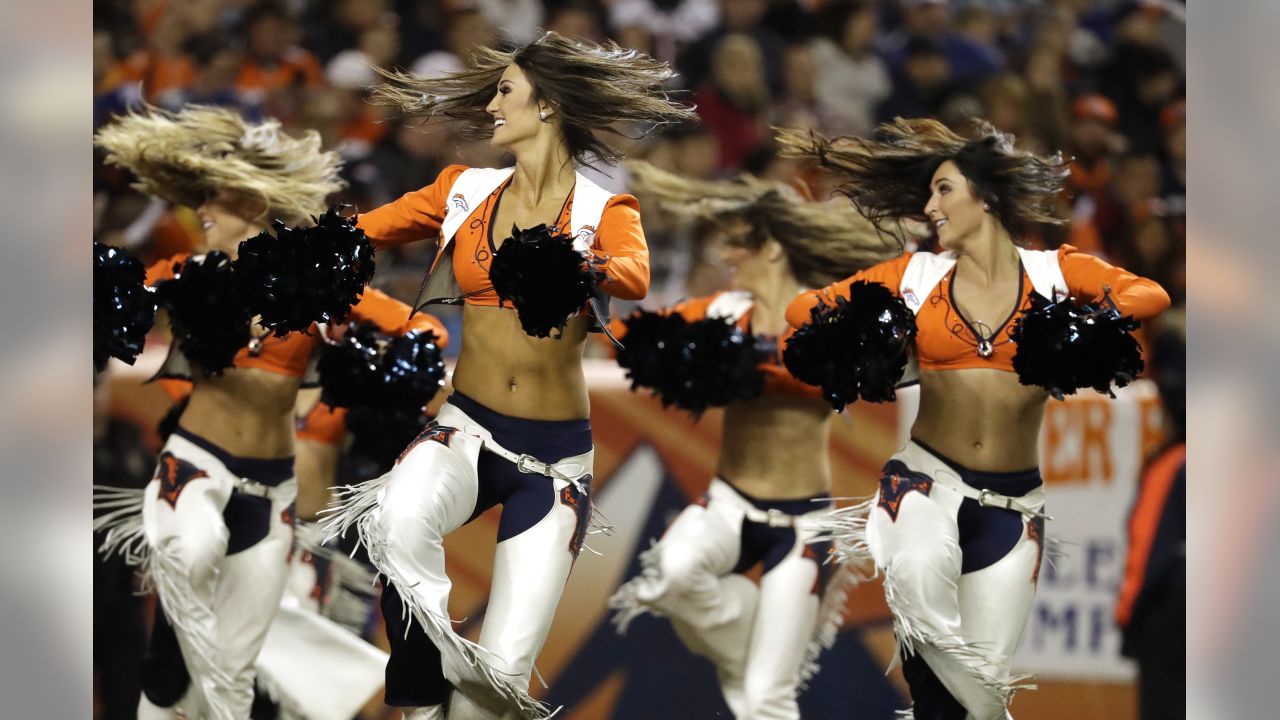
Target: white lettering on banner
{"type": "Point", "coordinates": [1092, 448]}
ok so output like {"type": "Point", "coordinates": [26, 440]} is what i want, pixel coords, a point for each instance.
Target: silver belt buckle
{"type": "Point", "coordinates": [777, 518]}
{"type": "Point", "coordinates": [530, 464]}
{"type": "Point", "coordinates": [249, 487]}
{"type": "Point", "coordinates": [984, 499]}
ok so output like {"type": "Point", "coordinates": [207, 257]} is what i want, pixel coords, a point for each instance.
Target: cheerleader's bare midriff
{"type": "Point", "coordinates": [983, 419]}
{"type": "Point", "coordinates": [775, 447]}
{"type": "Point", "coordinates": [246, 411]}
{"type": "Point", "coordinates": [517, 375]}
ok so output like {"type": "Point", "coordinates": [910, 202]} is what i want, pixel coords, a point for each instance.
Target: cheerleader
{"type": "Point", "coordinates": [214, 528]}
{"type": "Point", "coordinates": [773, 476]}
{"type": "Point", "coordinates": [957, 526]}
{"type": "Point", "coordinates": [515, 431]}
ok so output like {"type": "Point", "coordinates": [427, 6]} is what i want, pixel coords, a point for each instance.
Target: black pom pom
{"type": "Point", "coordinates": [692, 365]}
{"type": "Point", "coordinates": [543, 276]}
{"type": "Point", "coordinates": [1065, 346]}
{"type": "Point", "coordinates": [210, 322]}
{"type": "Point", "coordinates": [123, 308]}
{"type": "Point", "coordinates": [386, 386]}
{"type": "Point", "coordinates": [412, 369]}
{"type": "Point", "coordinates": [349, 372]}
{"type": "Point", "coordinates": [360, 372]}
{"type": "Point", "coordinates": [381, 433]}
{"type": "Point", "coordinates": [305, 274]}
{"type": "Point", "coordinates": [857, 349]}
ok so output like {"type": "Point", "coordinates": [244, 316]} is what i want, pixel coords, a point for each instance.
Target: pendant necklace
{"type": "Point", "coordinates": [985, 343]}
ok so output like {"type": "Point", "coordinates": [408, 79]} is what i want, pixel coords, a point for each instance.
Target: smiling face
{"type": "Point", "coordinates": [953, 210]}
{"type": "Point", "coordinates": [514, 110]}
{"type": "Point", "coordinates": [227, 219]}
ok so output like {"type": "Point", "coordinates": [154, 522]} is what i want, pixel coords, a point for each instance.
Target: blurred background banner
{"type": "Point", "coordinates": [1093, 449]}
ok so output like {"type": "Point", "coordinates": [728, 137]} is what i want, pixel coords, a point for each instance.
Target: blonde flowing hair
{"type": "Point", "coordinates": [593, 88]}
{"type": "Point", "coordinates": [823, 241]}
{"type": "Point", "coordinates": [184, 157]}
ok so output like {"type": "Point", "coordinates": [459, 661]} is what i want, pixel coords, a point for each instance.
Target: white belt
{"type": "Point", "coordinates": [919, 459]}
{"type": "Point", "coordinates": [569, 469]}
{"type": "Point", "coordinates": [990, 498]}
{"type": "Point", "coordinates": [773, 517]}
{"type": "Point", "coordinates": [245, 486]}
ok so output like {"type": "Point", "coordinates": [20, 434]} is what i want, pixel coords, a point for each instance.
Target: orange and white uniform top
{"type": "Point", "coordinates": [291, 354]}
{"type": "Point", "coordinates": [459, 208]}
{"type": "Point", "coordinates": [945, 340]}
{"type": "Point", "coordinates": [736, 306]}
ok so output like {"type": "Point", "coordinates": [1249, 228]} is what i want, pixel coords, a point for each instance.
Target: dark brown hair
{"type": "Point", "coordinates": [592, 87]}
{"type": "Point", "coordinates": [888, 177]}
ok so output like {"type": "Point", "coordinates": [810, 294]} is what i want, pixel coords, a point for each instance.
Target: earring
{"type": "Point", "coordinates": [986, 207]}
{"type": "Point", "coordinates": [542, 115]}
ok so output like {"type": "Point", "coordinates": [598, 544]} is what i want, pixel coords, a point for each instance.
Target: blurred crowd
{"type": "Point", "coordinates": [1102, 81]}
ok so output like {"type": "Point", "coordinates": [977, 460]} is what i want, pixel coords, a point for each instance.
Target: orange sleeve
{"type": "Point", "coordinates": [324, 424]}
{"type": "Point", "coordinates": [620, 252]}
{"type": "Point", "coordinates": [176, 388]}
{"type": "Point", "coordinates": [888, 273]}
{"type": "Point", "coordinates": [165, 269]}
{"type": "Point", "coordinates": [692, 309]}
{"type": "Point", "coordinates": [415, 216]}
{"type": "Point", "coordinates": [1144, 522]}
{"type": "Point", "coordinates": [1088, 276]}
{"type": "Point", "coordinates": [392, 316]}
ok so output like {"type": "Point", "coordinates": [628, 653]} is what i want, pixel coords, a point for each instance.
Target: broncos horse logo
{"type": "Point", "coordinates": [435, 431]}
{"type": "Point", "coordinates": [896, 481]}
{"type": "Point", "coordinates": [174, 474]}
{"type": "Point", "coordinates": [581, 506]}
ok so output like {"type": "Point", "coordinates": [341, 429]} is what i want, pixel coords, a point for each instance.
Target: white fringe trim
{"type": "Point", "coordinates": [122, 523]}
{"type": "Point", "coordinates": [626, 599]}
{"type": "Point", "coordinates": [844, 578]}
{"type": "Point", "coordinates": [597, 524]}
{"type": "Point", "coordinates": [355, 507]}
{"type": "Point", "coordinates": [846, 529]}
{"type": "Point", "coordinates": [182, 607]}
{"type": "Point", "coordinates": [972, 656]}
{"type": "Point", "coordinates": [162, 571]}
{"type": "Point", "coordinates": [1055, 549]}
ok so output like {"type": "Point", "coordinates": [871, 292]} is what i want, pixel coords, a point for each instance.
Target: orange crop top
{"type": "Point", "coordinates": [291, 354]}
{"type": "Point", "coordinates": [944, 340]}
{"type": "Point", "coordinates": [777, 380]}
{"type": "Point", "coordinates": [619, 250]}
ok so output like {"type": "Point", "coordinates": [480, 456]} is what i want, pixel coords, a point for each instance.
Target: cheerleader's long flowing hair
{"type": "Point", "coordinates": [887, 176]}
{"type": "Point", "coordinates": [185, 157]}
{"type": "Point", "coordinates": [823, 241]}
{"type": "Point", "coordinates": [594, 89]}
